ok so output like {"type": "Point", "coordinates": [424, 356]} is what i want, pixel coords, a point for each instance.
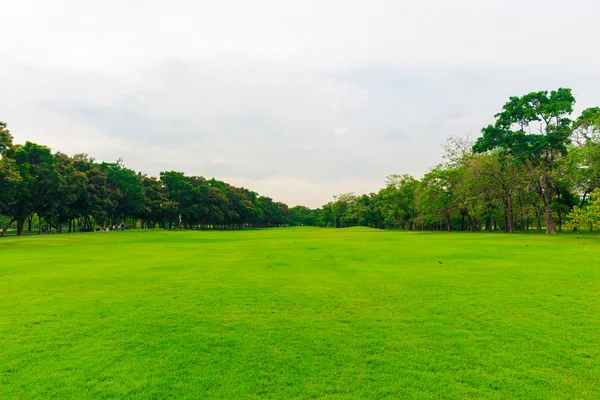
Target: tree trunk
{"type": "Point", "coordinates": [547, 197]}
{"type": "Point", "coordinates": [20, 225]}
{"type": "Point", "coordinates": [583, 199]}
{"type": "Point", "coordinates": [3, 233]}
{"type": "Point", "coordinates": [511, 216]}
{"type": "Point", "coordinates": [549, 221]}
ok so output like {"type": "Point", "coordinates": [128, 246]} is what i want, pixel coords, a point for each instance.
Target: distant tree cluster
{"type": "Point", "coordinates": [534, 168]}
{"type": "Point", "coordinates": [78, 194]}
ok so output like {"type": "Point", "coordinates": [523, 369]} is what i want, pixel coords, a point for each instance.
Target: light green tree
{"type": "Point", "coordinates": [588, 216]}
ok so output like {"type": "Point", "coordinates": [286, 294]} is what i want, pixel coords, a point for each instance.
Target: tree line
{"type": "Point", "coordinates": [79, 194]}
{"type": "Point", "coordinates": [534, 168]}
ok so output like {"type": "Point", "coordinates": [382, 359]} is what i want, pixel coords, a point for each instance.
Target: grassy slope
{"type": "Point", "coordinates": [300, 313]}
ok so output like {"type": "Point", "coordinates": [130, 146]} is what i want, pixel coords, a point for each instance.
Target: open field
{"type": "Point", "coordinates": [300, 313]}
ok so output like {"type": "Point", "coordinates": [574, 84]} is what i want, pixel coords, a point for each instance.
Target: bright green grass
{"type": "Point", "coordinates": [299, 313]}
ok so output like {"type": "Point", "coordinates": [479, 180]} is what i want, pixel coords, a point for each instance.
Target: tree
{"type": "Point", "coordinates": [437, 195]}
{"type": "Point", "coordinates": [5, 138]}
{"type": "Point", "coordinates": [39, 185]}
{"type": "Point", "coordinates": [458, 149]}
{"type": "Point", "coordinates": [467, 188]}
{"type": "Point", "coordinates": [93, 204]}
{"type": "Point", "coordinates": [155, 200]}
{"type": "Point", "coordinates": [583, 161]}
{"type": "Point", "coordinates": [398, 201]}
{"type": "Point", "coordinates": [9, 175]}
{"type": "Point", "coordinates": [586, 216]}
{"type": "Point", "coordinates": [496, 177]}
{"type": "Point", "coordinates": [539, 152]}
{"type": "Point", "coordinates": [10, 180]}
{"type": "Point", "coordinates": [301, 215]}
{"type": "Point", "coordinates": [124, 191]}
{"type": "Point", "coordinates": [587, 127]}
{"type": "Point", "coordinates": [71, 184]}
{"type": "Point", "coordinates": [340, 206]}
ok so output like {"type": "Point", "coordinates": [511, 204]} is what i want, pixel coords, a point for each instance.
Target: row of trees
{"type": "Point", "coordinates": [535, 167]}
{"type": "Point", "coordinates": [77, 193]}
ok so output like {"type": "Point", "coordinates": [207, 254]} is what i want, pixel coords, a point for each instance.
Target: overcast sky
{"type": "Point", "coordinates": [298, 100]}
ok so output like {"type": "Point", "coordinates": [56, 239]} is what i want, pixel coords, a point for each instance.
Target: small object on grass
{"type": "Point", "coordinates": [36, 323]}
{"type": "Point", "coordinates": [439, 262]}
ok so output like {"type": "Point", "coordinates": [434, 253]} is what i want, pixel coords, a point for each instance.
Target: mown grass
{"type": "Point", "coordinates": [300, 313]}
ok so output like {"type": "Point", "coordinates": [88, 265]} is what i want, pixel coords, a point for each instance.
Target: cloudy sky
{"type": "Point", "coordinates": [298, 100]}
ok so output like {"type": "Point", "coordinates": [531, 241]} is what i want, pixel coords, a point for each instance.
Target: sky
{"type": "Point", "coordinates": [297, 100]}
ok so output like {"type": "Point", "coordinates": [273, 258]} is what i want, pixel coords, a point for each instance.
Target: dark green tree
{"type": "Point", "coordinates": [535, 130]}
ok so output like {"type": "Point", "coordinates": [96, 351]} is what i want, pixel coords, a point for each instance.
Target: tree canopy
{"type": "Point", "coordinates": [82, 194]}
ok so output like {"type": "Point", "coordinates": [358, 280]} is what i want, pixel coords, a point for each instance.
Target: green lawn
{"type": "Point", "coordinates": [300, 313]}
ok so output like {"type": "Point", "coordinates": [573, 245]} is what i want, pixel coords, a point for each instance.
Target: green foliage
{"type": "Point", "coordinates": [541, 153]}
{"type": "Point", "coordinates": [437, 195]}
{"type": "Point", "coordinates": [5, 138]}
{"type": "Point", "coordinates": [586, 216]}
{"type": "Point", "coordinates": [10, 180]}
{"type": "Point", "coordinates": [583, 167]}
{"type": "Point", "coordinates": [546, 111]}
{"type": "Point", "coordinates": [39, 186]}
{"type": "Point", "coordinates": [61, 190]}
{"type": "Point", "coordinates": [399, 201]}
{"type": "Point", "coordinates": [301, 215]}
{"type": "Point", "coordinates": [587, 127]}
{"type": "Point", "coordinates": [9, 175]}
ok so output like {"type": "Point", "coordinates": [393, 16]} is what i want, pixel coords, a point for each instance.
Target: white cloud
{"type": "Point", "coordinates": [341, 131]}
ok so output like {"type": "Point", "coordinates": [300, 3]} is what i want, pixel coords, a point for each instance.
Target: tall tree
{"type": "Point", "coordinates": [583, 161]}
{"type": "Point", "coordinates": [544, 112]}
{"type": "Point", "coordinates": [39, 186]}
{"type": "Point", "coordinates": [587, 127]}
{"type": "Point", "coordinates": [6, 138]}
{"type": "Point", "coordinates": [10, 179]}
{"type": "Point", "coordinates": [437, 195]}
{"type": "Point", "coordinates": [124, 191]}
{"type": "Point", "coordinates": [589, 216]}
{"type": "Point", "coordinates": [398, 201]}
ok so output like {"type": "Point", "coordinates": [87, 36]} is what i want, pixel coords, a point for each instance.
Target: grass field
{"type": "Point", "coordinates": [300, 313]}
